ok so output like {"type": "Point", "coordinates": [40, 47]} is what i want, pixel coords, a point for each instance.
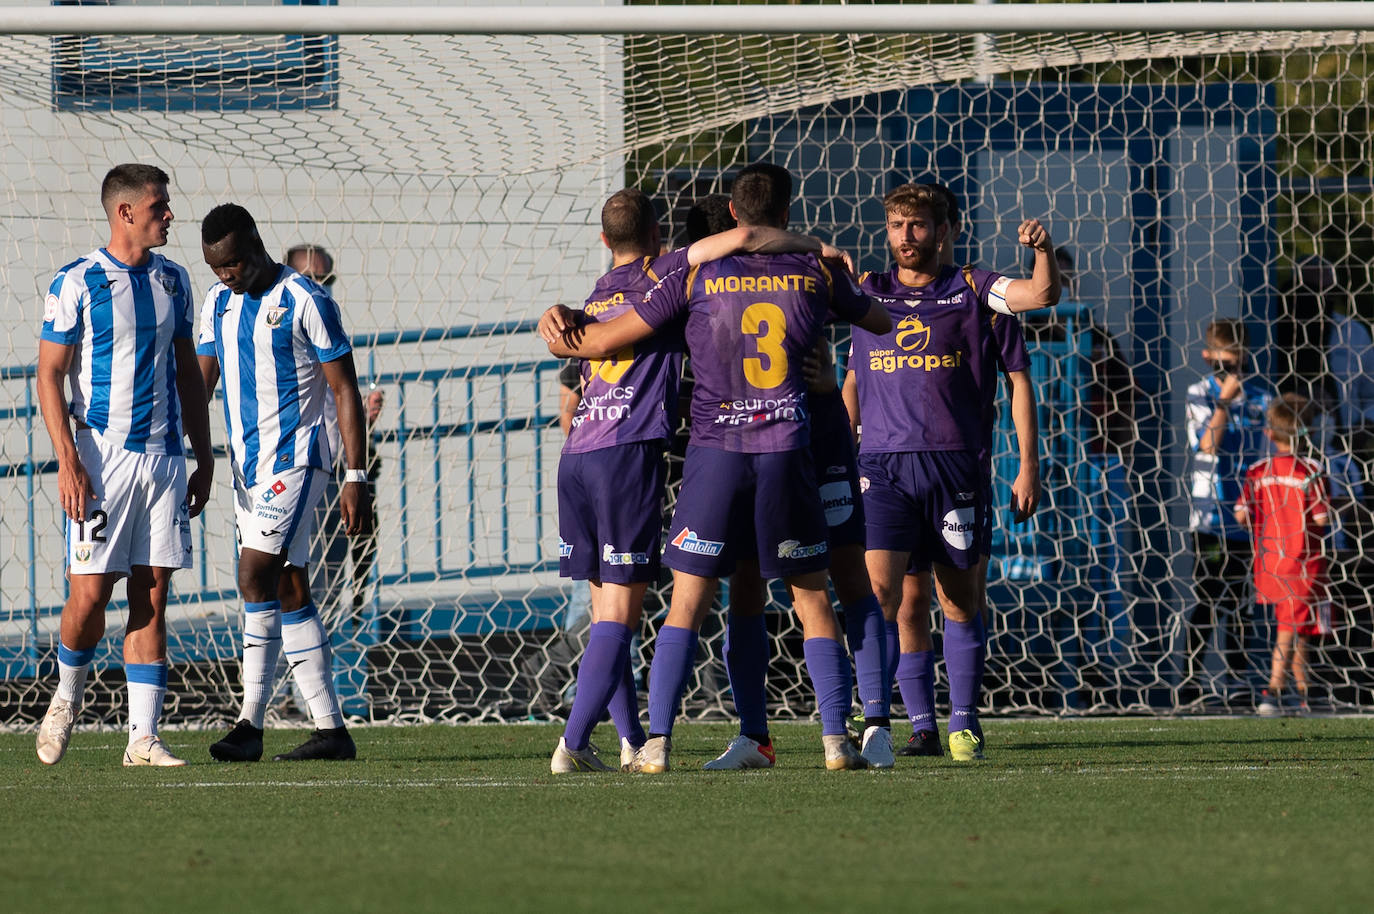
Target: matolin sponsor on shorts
{"type": "Point", "coordinates": [610, 557]}
{"type": "Point", "coordinates": [688, 541]}
{"type": "Point", "coordinates": [793, 549]}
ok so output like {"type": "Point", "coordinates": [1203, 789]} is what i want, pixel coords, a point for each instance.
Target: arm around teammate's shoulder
{"type": "Point", "coordinates": [601, 339]}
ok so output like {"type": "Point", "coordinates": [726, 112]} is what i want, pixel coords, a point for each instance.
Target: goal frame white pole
{"type": "Point", "coordinates": [1004, 18]}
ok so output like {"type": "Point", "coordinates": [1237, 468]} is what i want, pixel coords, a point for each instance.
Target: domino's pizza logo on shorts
{"type": "Point", "coordinates": [838, 500]}
{"type": "Point", "coordinates": [565, 548]}
{"type": "Point", "coordinates": [277, 488]}
{"type": "Point", "coordinates": [958, 528]}
{"type": "Point", "coordinates": [610, 557]}
{"type": "Point", "coordinates": [688, 541]}
{"type": "Point", "coordinates": [793, 549]}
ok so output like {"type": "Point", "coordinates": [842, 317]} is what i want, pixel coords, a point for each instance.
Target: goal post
{"type": "Point", "coordinates": [1198, 160]}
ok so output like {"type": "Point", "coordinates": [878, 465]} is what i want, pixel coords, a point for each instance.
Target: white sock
{"type": "Point", "coordinates": [147, 687]}
{"type": "Point", "coordinates": [72, 667]}
{"type": "Point", "coordinates": [311, 662]}
{"type": "Point", "coordinates": [261, 651]}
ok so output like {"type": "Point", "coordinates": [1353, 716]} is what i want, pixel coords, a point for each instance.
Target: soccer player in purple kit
{"type": "Point", "coordinates": [746, 651]}
{"type": "Point", "coordinates": [611, 475]}
{"type": "Point", "coordinates": [748, 489]}
{"type": "Point", "coordinates": [910, 647]}
{"type": "Point", "coordinates": [925, 393]}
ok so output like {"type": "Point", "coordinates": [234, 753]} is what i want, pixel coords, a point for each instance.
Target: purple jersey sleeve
{"type": "Point", "coordinates": [847, 301]}
{"type": "Point", "coordinates": [632, 396]}
{"type": "Point", "coordinates": [666, 301]}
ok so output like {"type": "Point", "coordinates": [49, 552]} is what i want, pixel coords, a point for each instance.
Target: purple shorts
{"type": "Point", "coordinates": [742, 506]}
{"type": "Point", "coordinates": [837, 473]}
{"type": "Point", "coordinates": [932, 504]}
{"type": "Point", "coordinates": [610, 513]}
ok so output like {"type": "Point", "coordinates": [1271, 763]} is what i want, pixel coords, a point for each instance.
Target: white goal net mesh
{"type": "Point", "coordinates": [457, 182]}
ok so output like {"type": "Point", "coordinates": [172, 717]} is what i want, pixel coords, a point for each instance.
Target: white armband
{"type": "Point", "coordinates": [997, 296]}
{"type": "Point", "coordinates": [355, 476]}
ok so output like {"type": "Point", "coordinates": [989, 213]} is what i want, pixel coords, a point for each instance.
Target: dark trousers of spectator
{"type": "Point", "coordinates": [336, 592]}
{"type": "Point", "coordinates": [1221, 580]}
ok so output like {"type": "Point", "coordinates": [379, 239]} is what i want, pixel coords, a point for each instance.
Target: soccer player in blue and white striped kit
{"type": "Point", "coordinates": [276, 340]}
{"type": "Point", "coordinates": [117, 324]}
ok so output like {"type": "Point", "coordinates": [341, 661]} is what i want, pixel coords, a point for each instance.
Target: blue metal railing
{"type": "Point", "coordinates": [532, 418]}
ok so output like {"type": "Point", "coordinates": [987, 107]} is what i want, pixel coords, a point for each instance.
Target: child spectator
{"type": "Point", "coordinates": [1285, 505]}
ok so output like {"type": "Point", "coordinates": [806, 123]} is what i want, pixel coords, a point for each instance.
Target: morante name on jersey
{"type": "Point", "coordinates": [790, 282]}
{"type": "Point", "coordinates": [889, 361]}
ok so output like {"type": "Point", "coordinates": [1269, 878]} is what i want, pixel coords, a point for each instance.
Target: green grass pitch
{"type": "Point", "coordinates": [1081, 815]}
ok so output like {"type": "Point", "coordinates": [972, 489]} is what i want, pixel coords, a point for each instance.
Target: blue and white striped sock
{"type": "Point", "coordinates": [72, 667]}
{"type": "Point", "coordinates": [311, 661]}
{"type": "Point", "coordinates": [147, 683]}
{"type": "Point", "coordinates": [261, 651]}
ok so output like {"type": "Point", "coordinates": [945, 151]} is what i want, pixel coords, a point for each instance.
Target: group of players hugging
{"type": "Point", "coordinates": [772, 485]}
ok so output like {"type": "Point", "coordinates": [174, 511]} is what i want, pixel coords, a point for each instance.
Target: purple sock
{"type": "Point", "coordinates": [624, 706]}
{"type": "Point", "coordinates": [916, 679]}
{"type": "Point", "coordinates": [866, 631]}
{"type": "Point", "coordinates": [675, 652]}
{"type": "Point", "coordinates": [965, 657]}
{"type": "Point", "coordinates": [894, 647]}
{"type": "Point", "coordinates": [746, 663]}
{"type": "Point", "coordinates": [828, 666]}
{"type": "Point", "coordinates": [598, 675]}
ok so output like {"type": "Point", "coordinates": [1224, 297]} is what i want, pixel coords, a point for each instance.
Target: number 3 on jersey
{"type": "Point", "coordinates": [613, 369]}
{"type": "Point", "coordinates": [766, 323]}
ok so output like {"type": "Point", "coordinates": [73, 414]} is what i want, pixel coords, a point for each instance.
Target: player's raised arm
{"type": "Point", "coordinates": [1043, 288]}
{"type": "Point", "coordinates": [73, 483]}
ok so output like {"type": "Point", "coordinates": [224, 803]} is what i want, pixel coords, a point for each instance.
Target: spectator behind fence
{"type": "Point", "coordinates": [1109, 412]}
{"type": "Point", "coordinates": [1324, 353]}
{"type": "Point", "coordinates": [332, 549]}
{"type": "Point", "coordinates": [1225, 424]}
{"type": "Point", "coordinates": [1284, 503]}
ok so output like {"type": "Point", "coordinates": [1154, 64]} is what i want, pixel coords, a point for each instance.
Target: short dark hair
{"type": "Point", "coordinates": [709, 216]}
{"type": "Point", "coordinates": [227, 219]}
{"type": "Point", "coordinates": [308, 250]}
{"type": "Point", "coordinates": [628, 219]}
{"type": "Point", "coordinates": [909, 198]}
{"type": "Point", "coordinates": [951, 202]}
{"type": "Point", "coordinates": [130, 178]}
{"type": "Point", "coordinates": [761, 192]}
{"type": "Point", "coordinates": [1227, 333]}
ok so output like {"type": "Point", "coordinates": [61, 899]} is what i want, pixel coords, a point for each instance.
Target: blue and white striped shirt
{"type": "Point", "coordinates": [271, 349]}
{"type": "Point", "coordinates": [121, 321]}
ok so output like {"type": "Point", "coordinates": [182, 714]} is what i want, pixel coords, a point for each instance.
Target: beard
{"type": "Point", "coordinates": [923, 258]}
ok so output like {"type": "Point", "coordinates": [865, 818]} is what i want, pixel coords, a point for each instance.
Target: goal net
{"type": "Point", "coordinates": [457, 179]}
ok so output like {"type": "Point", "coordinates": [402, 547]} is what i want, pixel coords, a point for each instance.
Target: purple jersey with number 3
{"type": "Point", "coordinates": [929, 383]}
{"type": "Point", "coordinates": [632, 396]}
{"type": "Point", "coordinates": [750, 320]}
